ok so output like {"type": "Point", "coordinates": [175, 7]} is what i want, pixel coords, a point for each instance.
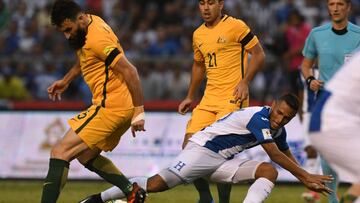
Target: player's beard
{"type": "Point", "coordinates": [79, 40]}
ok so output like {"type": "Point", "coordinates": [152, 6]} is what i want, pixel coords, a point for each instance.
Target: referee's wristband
{"type": "Point", "coordinates": [309, 79]}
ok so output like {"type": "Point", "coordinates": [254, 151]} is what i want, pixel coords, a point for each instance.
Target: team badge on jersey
{"type": "Point", "coordinates": [179, 165]}
{"type": "Point", "coordinates": [221, 40]}
{"type": "Point", "coordinates": [266, 133]}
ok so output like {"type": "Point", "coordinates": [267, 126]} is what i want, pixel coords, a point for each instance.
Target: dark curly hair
{"type": "Point", "coordinates": [64, 9]}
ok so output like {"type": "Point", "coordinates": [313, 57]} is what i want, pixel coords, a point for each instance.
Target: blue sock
{"type": "Point", "coordinates": [332, 198]}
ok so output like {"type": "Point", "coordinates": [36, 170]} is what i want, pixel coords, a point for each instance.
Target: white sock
{"type": "Point", "coordinates": [259, 191]}
{"type": "Point", "coordinates": [114, 192]}
{"type": "Point", "coordinates": [357, 200]}
{"type": "Point", "coordinates": [312, 165]}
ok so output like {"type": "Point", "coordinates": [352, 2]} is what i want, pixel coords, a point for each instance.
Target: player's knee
{"type": "Point", "coordinates": [59, 152]}
{"type": "Point", "coordinates": [267, 171]}
{"type": "Point", "coordinates": [156, 184]}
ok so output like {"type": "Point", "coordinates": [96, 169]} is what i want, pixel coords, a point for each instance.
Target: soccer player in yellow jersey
{"type": "Point", "coordinates": [117, 102]}
{"type": "Point", "coordinates": [221, 46]}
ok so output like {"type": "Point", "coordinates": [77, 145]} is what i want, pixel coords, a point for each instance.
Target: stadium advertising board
{"type": "Point", "coordinates": [27, 138]}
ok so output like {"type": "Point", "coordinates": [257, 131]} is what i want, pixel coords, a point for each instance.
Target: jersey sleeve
{"type": "Point", "coordinates": [259, 126]}
{"type": "Point", "coordinates": [197, 53]}
{"type": "Point", "coordinates": [244, 35]}
{"type": "Point", "coordinates": [309, 50]}
{"type": "Point", "coordinates": [281, 140]}
{"type": "Point", "coordinates": [106, 49]}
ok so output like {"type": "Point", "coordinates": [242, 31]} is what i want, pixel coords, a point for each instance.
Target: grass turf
{"type": "Point", "coordinates": [30, 192]}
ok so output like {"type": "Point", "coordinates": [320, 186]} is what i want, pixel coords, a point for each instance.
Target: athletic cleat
{"type": "Point", "coordinates": [311, 197]}
{"type": "Point", "coordinates": [92, 199]}
{"type": "Point", "coordinates": [137, 194]}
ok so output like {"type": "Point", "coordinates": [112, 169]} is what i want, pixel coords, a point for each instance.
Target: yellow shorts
{"type": "Point", "coordinates": [203, 116]}
{"type": "Point", "coordinates": [101, 127]}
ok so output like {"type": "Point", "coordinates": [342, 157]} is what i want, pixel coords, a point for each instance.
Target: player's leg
{"type": "Point", "coordinates": [158, 183]}
{"type": "Point", "coordinates": [327, 170]}
{"type": "Point", "coordinates": [105, 168]}
{"type": "Point", "coordinates": [334, 145]}
{"type": "Point", "coordinates": [101, 131]}
{"type": "Point", "coordinates": [200, 118]}
{"type": "Point", "coordinates": [193, 162]}
{"type": "Point", "coordinates": [265, 177]}
{"type": "Point", "coordinates": [352, 195]}
{"type": "Point", "coordinates": [69, 147]}
{"type": "Point", "coordinates": [238, 170]}
{"type": "Point", "coordinates": [224, 189]}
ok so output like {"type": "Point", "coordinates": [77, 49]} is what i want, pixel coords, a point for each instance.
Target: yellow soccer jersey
{"type": "Point", "coordinates": [223, 49]}
{"type": "Point", "coordinates": [102, 51]}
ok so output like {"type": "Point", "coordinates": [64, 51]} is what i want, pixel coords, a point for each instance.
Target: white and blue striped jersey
{"type": "Point", "coordinates": [240, 130]}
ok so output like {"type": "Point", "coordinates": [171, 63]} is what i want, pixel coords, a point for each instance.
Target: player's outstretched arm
{"type": "Point", "coordinates": [131, 77]}
{"type": "Point", "coordinates": [241, 91]}
{"type": "Point", "coordinates": [58, 87]}
{"type": "Point", "coordinates": [312, 181]}
{"type": "Point", "coordinates": [197, 75]}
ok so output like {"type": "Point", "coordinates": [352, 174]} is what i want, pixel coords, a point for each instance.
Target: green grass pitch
{"type": "Point", "coordinates": [30, 192]}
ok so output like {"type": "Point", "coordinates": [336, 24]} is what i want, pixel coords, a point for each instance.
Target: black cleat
{"type": "Point", "coordinates": [137, 194]}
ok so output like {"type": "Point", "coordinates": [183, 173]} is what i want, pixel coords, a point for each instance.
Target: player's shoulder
{"type": "Point", "coordinates": [201, 28]}
{"type": "Point", "coordinates": [322, 28]}
{"type": "Point", "coordinates": [98, 26]}
{"type": "Point", "coordinates": [354, 28]}
{"type": "Point", "coordinates": [258, 112]}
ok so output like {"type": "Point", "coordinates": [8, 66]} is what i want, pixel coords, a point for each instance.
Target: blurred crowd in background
{"type": "Point", "coordinates": [157, 38]}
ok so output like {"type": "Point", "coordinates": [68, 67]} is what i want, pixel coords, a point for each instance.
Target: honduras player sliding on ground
{"type": "Point", "coordinates": [211, 152]}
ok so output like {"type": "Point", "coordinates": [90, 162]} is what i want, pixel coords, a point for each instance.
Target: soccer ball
{"type": "Point", "coordinates": [117, 201]}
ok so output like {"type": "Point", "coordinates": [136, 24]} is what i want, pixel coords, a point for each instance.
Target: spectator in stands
{"type": "Point", "coordinates": [12, 87]}
{"type": "Point", "coordinates": [4, 15]}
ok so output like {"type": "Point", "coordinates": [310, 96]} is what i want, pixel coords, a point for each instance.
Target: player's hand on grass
{"type": "Point", "coordinates": [316, 183]}
{"type": "Point", "coordinates": [241, 91]}
{"type": "Point", "coordinates": [184, 106]}
{"type": "Point", "coordinates": [315, 85]}
{"type": "Point", "coordinates": [138, 120]}
{"type": "Point", "coordinates": [56, 89]}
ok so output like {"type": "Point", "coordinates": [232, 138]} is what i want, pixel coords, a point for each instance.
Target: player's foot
{"type": "Point", "coordinates": [311, 197]}
{"type": "Point", "coordinates": [92, 199]}
{"type": "Point", "coordinates": [137, 194]}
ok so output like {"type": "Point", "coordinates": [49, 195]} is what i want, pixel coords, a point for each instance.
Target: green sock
{"type": "Point", "coordinates": [224, 190]}
{"type": "Point", "coordinates": [108, 171]}
{"type": "Point", "coordinates": [55, 180]}
{"type": "Point", "coordinates": [202, 186]}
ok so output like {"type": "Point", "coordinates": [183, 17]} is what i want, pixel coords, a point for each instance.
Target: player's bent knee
{"type": "Point", "coordinates": [156, 184]}
{"type": "Point", "coordinates": [266, 170]}
{"type": "Point", "coordinates": [58, 152]}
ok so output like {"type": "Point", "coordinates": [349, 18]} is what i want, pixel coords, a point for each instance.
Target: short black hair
{"type": "Point", "coordinates": [291, 100]}
{"type": "Point", "coordinates": [347, 1]}
{"type": "Point", "coordinates": [64, 9]}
